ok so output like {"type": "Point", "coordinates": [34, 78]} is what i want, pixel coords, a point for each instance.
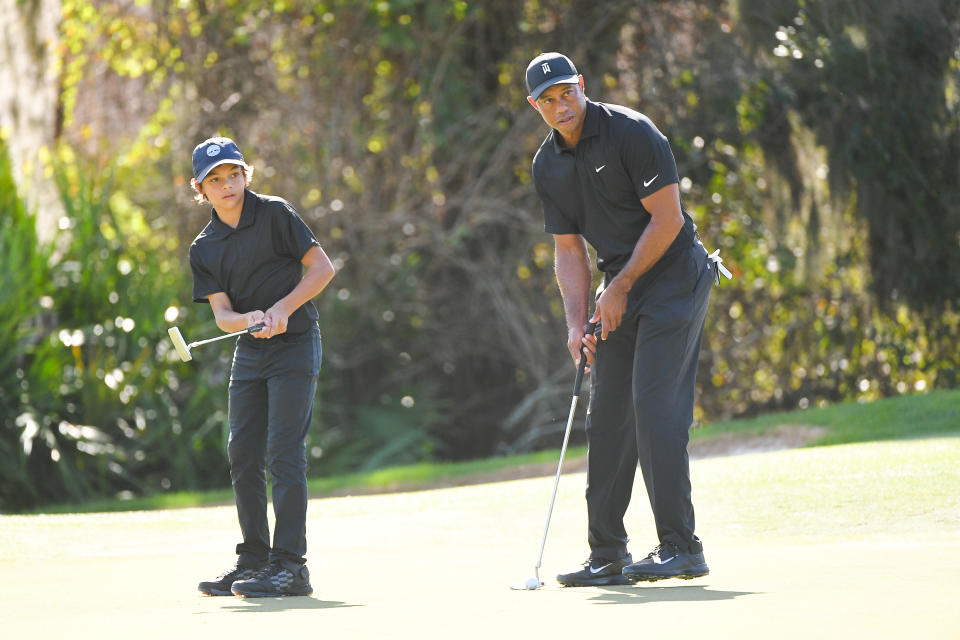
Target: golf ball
{"type": "Point", "coordinates": [532, 583]}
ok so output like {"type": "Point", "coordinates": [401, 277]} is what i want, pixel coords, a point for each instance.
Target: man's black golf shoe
{"type": "Point", "coordinates": [667, 561]}
{"type": "Point", "coordinates": [597, 573]}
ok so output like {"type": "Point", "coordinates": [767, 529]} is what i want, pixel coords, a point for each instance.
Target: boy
{"type": "Point", "coordinates": [248, 264]}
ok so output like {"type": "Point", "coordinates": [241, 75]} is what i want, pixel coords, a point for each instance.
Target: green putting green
{"type": "Point", "coordinates": [847, 541]}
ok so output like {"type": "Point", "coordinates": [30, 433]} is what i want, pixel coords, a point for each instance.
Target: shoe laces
{"type": "Point", "coordinates": [234, 569]}
{"type": "Point", "coordinates": [273, 567]}
{"type": "Point", "coordinates": [664, 549]}
{"type": "Point", "coordinates": [592, 562]}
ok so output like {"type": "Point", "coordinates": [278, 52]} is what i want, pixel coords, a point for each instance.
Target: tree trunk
{"type": "Point", "coordinates": [29, 36]}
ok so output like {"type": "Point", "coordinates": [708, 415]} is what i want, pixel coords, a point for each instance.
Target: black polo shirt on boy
{"type": "Point", "coordinates": [595, 188]}
{"type": "Point", "coordinates": [257, 263]}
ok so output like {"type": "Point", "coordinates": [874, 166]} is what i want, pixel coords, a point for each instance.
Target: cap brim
{"type": "Point", "coordinates": [206, 172]}
{"type": "Point", "coordinates": [535, 94]}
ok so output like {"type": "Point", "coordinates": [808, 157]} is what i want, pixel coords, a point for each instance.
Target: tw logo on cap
{"type": "Point", "coordinates": [548, 69]}
{"type": "Point", "coordinates": [213, 150]}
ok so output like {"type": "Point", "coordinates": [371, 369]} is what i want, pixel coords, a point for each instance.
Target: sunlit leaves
{"type": "Point", "coordinates": [399, 130]}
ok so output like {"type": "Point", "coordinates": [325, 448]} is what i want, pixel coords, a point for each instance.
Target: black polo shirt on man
{"type": "Point", "coordinates": [595, 188]}
{"type": "Point", "coordinates": [257, 263]}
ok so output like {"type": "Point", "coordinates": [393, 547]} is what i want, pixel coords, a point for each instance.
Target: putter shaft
{"type": "Point", "coordinates": [563, 450]}
{"type": "Point", "coordinates": [556, 480]}
{"type": "Point", "coordinates": [250, 329]}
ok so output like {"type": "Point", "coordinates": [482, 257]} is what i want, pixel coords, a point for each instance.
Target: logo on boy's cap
{"type": "Point", "coordinates": [548, 69]}
{"type": "Point", "coordinates": [212, 153]}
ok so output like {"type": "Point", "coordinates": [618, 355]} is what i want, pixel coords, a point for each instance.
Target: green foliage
{"type": "Point", "coordinates": [100, 404]}
{"type": "Point", "coordinates": [400, 131]}
{"type": "Point", "coordinates": [874, 84]}
{"type": "Point", "coordinates": [23, 289]}
{"type": "Point", "coordinates": [781, 181]}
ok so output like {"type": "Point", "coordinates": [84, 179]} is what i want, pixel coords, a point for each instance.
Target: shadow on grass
{"type": "Point", "coordinates": [288, 603]}
{"type": "Point", "coordinates": [680, 593]}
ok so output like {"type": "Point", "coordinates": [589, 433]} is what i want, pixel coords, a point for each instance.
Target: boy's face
{"type": "Point", "coordinates": [224, 186]}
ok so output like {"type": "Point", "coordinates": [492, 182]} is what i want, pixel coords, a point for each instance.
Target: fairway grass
{"type": "Point", "coordinates": [910, 416]}
{"type": "Point", "coordinates": [805, 542]}
{"type": "Point", "coordinates": [903, 488]}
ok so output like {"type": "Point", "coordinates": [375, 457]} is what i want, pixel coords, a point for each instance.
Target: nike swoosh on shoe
{"type": "Point", "coordinates": [599, 569]}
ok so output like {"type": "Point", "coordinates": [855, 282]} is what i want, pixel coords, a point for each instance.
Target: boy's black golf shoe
{"type": "Point", "coordinates": [220, 586]}
{"type": "Point", "coordinates": [276, 579]}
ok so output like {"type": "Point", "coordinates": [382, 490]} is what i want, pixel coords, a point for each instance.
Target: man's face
{"type": "Point", "coordinates": [563, 107]}
{"type": "Point", "coordinates": [224, 186]}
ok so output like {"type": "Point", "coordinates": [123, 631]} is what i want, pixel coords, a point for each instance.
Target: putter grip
{"type": "Point", "coordinates": [583, 362]}
{"type": "Point", "coordinates": [255, 328]}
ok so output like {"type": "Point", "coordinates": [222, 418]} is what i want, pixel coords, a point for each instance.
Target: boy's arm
{"type": "Point", "coordinates": [229, 320]}
{"type": "Point", "coordinates": [318, 274]}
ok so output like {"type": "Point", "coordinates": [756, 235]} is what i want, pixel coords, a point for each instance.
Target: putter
{"type": "Point", "coordinates": [534, 582]}
{"type": "Point", "coordinates": [183, 349]}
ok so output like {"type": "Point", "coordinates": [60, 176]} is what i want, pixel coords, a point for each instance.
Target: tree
{"type": "Point", "coordinates": [29, 74]}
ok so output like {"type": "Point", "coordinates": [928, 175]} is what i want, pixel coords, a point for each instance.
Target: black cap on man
{"type": "Point", "coordinates": [548, 69]}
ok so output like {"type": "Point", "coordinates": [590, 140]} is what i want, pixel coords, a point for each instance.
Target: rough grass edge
{"type": "Point", "coordinates": [909, 416]}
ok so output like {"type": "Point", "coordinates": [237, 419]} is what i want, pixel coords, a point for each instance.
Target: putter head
{"type": "Point", "coordinates": [179, 344]}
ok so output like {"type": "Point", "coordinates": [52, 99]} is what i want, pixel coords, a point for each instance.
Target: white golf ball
{"type": "Point", "coordinates": [532, 583]}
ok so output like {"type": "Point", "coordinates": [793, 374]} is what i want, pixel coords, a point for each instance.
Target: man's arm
{"type": "Point", "coordinates": [572, 266]}
{"type": "Point", "coordinates": [666, 220]}
{"type": "Point", "coordinates": [315, 279]}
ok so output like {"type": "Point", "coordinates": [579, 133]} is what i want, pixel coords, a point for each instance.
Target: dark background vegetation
{"type": "Point", "coordinates": [818, 144]}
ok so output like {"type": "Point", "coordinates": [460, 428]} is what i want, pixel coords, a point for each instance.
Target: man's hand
{"type": "Point", "coordinates": [611, 305]}
{"type": "Point", "coordinates": [578, 339]}
{"type": "Point", "coordinates": [666, 220]}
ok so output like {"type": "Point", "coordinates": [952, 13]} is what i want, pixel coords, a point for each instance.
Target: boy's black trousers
{"type": "Point", "coordinates": [272, 387]}
{"type": "Point", "coordinates": [641, 407]}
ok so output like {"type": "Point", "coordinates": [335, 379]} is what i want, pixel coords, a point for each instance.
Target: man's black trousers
{"type": "Point", "coordinates": [272, 386]}
{"type": "Point", "coordinates": [641, 407]}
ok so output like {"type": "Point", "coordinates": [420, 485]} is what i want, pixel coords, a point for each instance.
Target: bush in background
{"type": "Point", "coordinates": [401, 133]}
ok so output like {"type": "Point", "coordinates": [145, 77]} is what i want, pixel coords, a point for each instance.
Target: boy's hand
{"type": "Point", "coordinates": [256, 317]}
{"type": "Point", "coordinates": [276, 320]}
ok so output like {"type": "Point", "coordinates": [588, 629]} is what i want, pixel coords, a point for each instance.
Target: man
{"type": "Point", "coordinates": [606, 176]}
{"type": "Point", "coordinates": [248, 264]}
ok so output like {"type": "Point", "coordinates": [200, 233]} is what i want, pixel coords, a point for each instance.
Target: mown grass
{"type": "Point", "coordinates": [408, 477]}
{"type": "Point", "coordinates": [935, 413]}
{"type": "Point", "coordinates": [888, 419]}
